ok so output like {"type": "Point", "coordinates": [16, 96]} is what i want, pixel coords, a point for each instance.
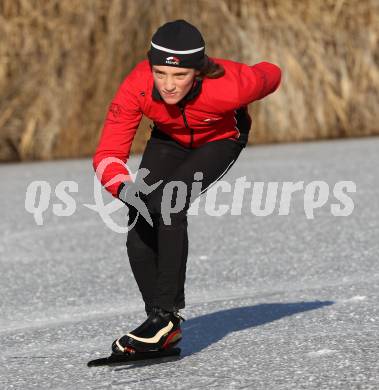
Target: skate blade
{"type": "Point", "coordinates": [125, 359]}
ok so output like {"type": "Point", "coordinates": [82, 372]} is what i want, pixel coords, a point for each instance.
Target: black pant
{"type": "Point", "coordinates": [158, 254]}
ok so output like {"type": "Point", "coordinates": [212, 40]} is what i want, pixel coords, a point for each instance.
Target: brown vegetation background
{"type": "Point", "coordinates": [61, 62]}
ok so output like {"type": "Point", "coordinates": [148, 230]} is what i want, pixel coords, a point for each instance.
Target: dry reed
{"type": "Point", "coordinates": [61, 62]}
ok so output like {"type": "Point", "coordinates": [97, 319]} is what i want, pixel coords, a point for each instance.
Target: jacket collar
{"type": "Point", "coordinates": [193, 92]}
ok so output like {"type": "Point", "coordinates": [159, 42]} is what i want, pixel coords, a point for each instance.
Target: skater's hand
{"type": "Point", "coordinates": [129, 193]}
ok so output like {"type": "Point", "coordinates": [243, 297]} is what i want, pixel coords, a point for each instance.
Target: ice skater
{"type": "Point", "coordinates": [200, 125]}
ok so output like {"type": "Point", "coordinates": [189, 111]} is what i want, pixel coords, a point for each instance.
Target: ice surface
{"type": "Point", "coordinates": [276, 302]}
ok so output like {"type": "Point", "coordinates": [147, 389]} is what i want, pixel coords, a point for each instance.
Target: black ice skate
{"type": "Point", "coordinates": [159, 332]}
{"type": "Point", "coordinates": [154, 357]}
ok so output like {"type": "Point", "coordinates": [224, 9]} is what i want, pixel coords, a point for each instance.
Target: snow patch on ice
{"type": "Point", "coordinates": [356, 298]}
{"type": "Point", "coordinates": [203, 257]}
{"type": "Point", "coordinates": [322, 352]}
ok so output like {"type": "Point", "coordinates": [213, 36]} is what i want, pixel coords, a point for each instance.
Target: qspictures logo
{"type": "Point", "coordinates": [264, 199]}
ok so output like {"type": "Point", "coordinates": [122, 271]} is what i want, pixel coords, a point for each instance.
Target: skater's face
{"type": "Point", "coordinates": [173, 83]}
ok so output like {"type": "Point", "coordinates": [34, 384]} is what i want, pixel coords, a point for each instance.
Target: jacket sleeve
{"type": "Point", "coordinates": [113, 150]}
{"type": "Point", "coordinates": [258, 81]}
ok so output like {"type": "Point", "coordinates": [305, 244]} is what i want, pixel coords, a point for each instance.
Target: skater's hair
{"type": "Point", "coordinates": [210, 70]}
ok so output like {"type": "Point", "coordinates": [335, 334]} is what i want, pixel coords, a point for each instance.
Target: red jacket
{"type": "Point", "coordinates": [209, 112]}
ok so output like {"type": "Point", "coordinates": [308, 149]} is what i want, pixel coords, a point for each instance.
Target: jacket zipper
{"type": "Point", "coordinates": [186, 124]}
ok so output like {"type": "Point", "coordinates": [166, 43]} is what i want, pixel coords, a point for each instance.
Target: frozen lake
{"type": "Point", "coordinates": [273, 302]}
